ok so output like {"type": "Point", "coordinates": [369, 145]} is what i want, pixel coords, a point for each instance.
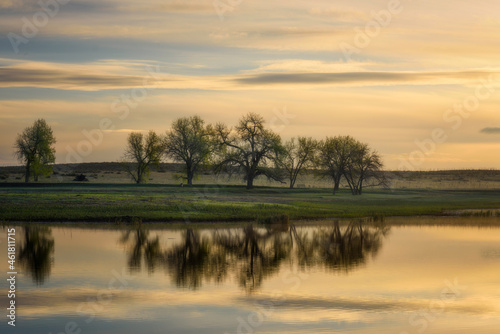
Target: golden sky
{"type": "Point", "coordinates": [417, 80]}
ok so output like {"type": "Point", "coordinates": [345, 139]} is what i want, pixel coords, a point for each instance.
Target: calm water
{"type": "Point", "coordinates": [315, 279]}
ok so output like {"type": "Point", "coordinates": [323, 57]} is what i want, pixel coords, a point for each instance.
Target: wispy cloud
{"type": "Point", "coordinates": [174, 6]}
{"type": "Point", "coordinates": [282, 75]}
{"type": "Point", "coordinates": [262, 56]}
{"type": "Point", "coordinates": [366, 78]}
{"type": "Point", "coordinates": [491, 131]}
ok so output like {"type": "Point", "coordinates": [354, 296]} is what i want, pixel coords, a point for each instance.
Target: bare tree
{"type": "Point", "coordinates": [142, 151]}
{"type": "Point", "coordinates": [34, 148]}
{"type": "Point", "coordinates": [363, 164]}
{"type": "Point", "coordinates": [333, 158]}
{"type": "Point", "coordinates": [189, 141]}
{"type": "Point", "coordinates": [249, 148]}
{"type": "Point", "coordinates": [299, 155]}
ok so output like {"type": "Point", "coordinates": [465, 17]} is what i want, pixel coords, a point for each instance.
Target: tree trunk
{"type": "Point", "coordinates": [293, 179]}
{"type": "Point", "coordinates": [28, 172]}
{"type": "Point", "coordinates": [336, 185]}
{"type": "Point", "coordinates": [190, 177]}
{"type": "Point", "coordinates": [250, 182]}
{"type": "Point", "coordinates": [139, 174]}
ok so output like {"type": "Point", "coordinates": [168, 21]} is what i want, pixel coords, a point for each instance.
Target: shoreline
{"type": "Point", "coordinates": [454, 220]}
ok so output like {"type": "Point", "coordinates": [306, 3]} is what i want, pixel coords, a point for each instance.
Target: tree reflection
{"type": "Point", "coordinates": [140, 247]}
{"type": "Point", "coordinates": [190, 262]}
{"type": "Point", "coordinates": [345, 249]}
{"type": "Point", "coordinates": [36, 252]}
{"type": "Point", "coordinates": [254, 253]}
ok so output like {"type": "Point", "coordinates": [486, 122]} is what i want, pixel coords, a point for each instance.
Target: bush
{"type": "Point", "coordinates": [80, 178]}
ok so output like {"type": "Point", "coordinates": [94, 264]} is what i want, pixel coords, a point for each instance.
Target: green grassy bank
{"type": "Point", "coordinates": [117, 203]}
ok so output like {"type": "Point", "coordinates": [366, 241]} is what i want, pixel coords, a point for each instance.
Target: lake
{"type": "Point", "coordinates": [404, 276]}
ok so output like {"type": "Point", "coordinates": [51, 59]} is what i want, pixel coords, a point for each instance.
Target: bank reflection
{"type": "Point", "coordinates": [253, 253]}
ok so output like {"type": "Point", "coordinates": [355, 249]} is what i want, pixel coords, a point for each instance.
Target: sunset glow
{"type": "Point", "coordinates": [417, 80]}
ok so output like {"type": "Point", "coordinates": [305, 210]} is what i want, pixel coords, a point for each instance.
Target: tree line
{"type": "Point", "coordinates": [249, 149]}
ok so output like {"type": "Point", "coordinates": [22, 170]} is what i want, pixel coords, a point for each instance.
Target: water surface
{"type": "Point", "coordinates": [330, 278]}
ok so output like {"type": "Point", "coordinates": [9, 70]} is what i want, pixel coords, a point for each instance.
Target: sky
{"type": "Point", "coordinates": [418, 80]}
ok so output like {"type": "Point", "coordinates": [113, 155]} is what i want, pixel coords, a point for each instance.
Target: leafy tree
{"type": "Point", "coordinates": [249, 148]}
{"type": "Point", "coordinates": [189, 141]}
{"type": "Point", "coordinates": [363, 163]}
{"type": "Point", "coordinates": [34, 148]}
{"type": "Point", "coordinates": [333, 158]}
{"type": "Point", "coordinates": [299, 154]}
{"type": "Point", "coordinates": [143, 151]}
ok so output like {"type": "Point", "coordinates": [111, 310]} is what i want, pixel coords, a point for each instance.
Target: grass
{"type": "Point", "coordinates": [129, 203]}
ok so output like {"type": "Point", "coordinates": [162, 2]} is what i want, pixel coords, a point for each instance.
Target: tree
{"type": "Point", "coordinates": [34, 148]}
{"type": "Point", "coordinates": [333, 158]}
{"type": "Point", "coordinates": [143, 151]}
{"type": "Point", "coordinates": [189, 141]}
{"type": "Point", "coordinates": [249, 148]}
{"type": "Point", "coordinates": [299, 154]}
{"type": "Point", "coordinates": [363, 163]}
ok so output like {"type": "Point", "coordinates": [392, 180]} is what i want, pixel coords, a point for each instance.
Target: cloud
{"type": "Point", "coordinates": [491, 131]}
{"type": "Point", "coordinates": [178, 6]}
{"type": "Point", "coordinates": [106, 74]}
{"type": "Point", "coordinates": [64, 79]}
{"type": "Point", "coordinates": [365, 78]}
{"type": "Point", "coordinates": [303, 65]}
{"type": "Point", "coordinates": [120, 74]}
{"type": "Point", "coordinates": [16, 7]}
{"type": "Point", "coordinates": [7, 3]}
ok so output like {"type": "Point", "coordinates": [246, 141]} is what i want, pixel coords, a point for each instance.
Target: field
{"type": "Point", "coordinates": [110, 196]}
{"type": "Point", "coordinates": [170, 174]}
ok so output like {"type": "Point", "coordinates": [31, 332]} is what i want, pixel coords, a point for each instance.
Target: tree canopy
{"type": "Point", "coordinates": [345, 157]}
{"type": "Point", "coordinates": [189, 141]}
{"type": "Point", "coordinates": [143, 151]}
{"type": "Point", "coordinates": [299, 155]}
{"type": "Point", "coordinates": [249, 148]}
{"type": "Point", "coordinates": [334, 158]}
{"type": "Point", "coordinates": [34, 148]}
